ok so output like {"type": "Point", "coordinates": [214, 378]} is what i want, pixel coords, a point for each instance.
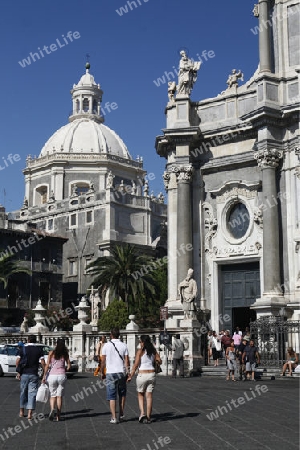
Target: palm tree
{"type": "Point", "coordinates": [8, 267]}
{"type": "Point", "coordinates": [126, 272]}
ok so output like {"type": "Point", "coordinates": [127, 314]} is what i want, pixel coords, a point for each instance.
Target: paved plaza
{"type": "Point", "coordinates": [191, 413]}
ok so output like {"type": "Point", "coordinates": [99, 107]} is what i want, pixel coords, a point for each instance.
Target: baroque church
{"type": "Point", "coordinates": [86, 189]}
{"type": "Point", "coordinates": [233, 182]}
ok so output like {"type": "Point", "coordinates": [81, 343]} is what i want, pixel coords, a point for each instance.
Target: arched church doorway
{"type": "Point", "coordinates": [240, 287]}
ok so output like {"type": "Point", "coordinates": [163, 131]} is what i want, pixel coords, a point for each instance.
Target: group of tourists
{"type": "Point", "coordinates": [240, 353]}
{"type": "Point", "coordinates": [113, 367]}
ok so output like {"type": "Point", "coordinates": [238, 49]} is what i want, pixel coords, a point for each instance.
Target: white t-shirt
{"type": "Point", "coordinates": [114, 363]}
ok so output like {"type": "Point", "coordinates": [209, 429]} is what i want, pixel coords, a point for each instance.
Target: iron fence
{"type": "Point", "coordinates": [273, 335]}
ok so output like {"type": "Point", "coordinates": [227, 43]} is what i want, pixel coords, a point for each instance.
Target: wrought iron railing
{"type": "Point", "coordinates": [273, 335]}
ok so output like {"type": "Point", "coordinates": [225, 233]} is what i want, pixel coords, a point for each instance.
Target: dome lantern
{"type": "Point", "coordinates": [87, 97]}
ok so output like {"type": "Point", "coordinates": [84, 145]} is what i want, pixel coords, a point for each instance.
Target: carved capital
{"type": "Point", "coordinates": [184, 174]}
{"type": "Point", "coordinates": [166, 177]}
{"type": "Point", "coordinates": [297, 172]}
{"type": "Point", "coordinates": [256, 10]}
{"type": "Point", "coordinates": [268, 158]}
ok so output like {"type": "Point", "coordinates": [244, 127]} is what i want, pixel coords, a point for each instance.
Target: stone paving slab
{"type": "Point", "coordinates": [190, 413]}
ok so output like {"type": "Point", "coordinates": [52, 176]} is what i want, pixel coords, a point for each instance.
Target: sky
{"type": "Point", "coordinates": [128, 52]}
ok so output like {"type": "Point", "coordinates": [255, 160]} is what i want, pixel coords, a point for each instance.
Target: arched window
{"type": "Point", "coordinates": [77, 105]}
{"type": "Point", "coordinates": [41, 195]}
{"type": "Point", "coordinates": [95, 107]}
{"type": "Point", "coordinates": [85, 105]}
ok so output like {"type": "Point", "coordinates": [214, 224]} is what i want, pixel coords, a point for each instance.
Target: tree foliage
{"type": "Point", "coordinates": [8, 267]}
{"type": "Point", "coordinates": [115, 315]}
{"type": "Point", "coordinates": [125, 273]}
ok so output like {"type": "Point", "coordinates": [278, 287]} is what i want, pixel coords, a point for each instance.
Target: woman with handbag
{"type": "Point", "coordinates": [55, 376]}
{"type": "Point", "coordinates": [146, 359]}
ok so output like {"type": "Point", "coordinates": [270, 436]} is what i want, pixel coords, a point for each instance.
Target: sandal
{"type": "Point", "coordinates": [142, 418]}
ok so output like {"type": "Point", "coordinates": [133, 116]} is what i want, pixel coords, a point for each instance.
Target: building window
{"type": "Point", "coordinates": [50, 224]}
{"type": "Point", "coordinates": [82, 188]}
{"type": "Point", "coordinates": [89, 216]}
{"type": "Point", "coordinates": [41, 195]}
{"type": "Point", "coordinates": [88, 260]}
{"type": "Point", "coordinates": [73, 220]}
{"type": "Point", "coordinates": [85, 105]}
{"type": "Point", "coordinates": [72, 267]}
{"type": "Point", "coordinates": [238, 220]}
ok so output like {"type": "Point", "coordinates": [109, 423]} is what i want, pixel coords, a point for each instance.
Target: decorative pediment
{"type": "Point", "coordinates": [235, 189]}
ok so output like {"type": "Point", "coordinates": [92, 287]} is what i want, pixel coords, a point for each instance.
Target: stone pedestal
{"type": "Point", "coordinates": [39, 317]}
{"type": "Point", "coordinates": [82, 308]}
{"type": "Point", "coordinates": [175, 314]}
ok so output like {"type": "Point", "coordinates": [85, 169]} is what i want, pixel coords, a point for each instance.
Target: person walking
{"type": "Point", "coordinates": [144, 361]}
{"type": "Point", "coordinates": [115, 359]}
{"type": "Point", "coordinates": [55, 376]}
{"type": "Point", "coordinates": [178, 350]}
{"type": "Point", "coordinates": [29, 376]}
{"type": "Point", "coordinates": [251, 358]}
{"type": "Point", "coordinates": [98, 354]}
{"type": "Point", "coordinates": [231, 361]}
{"type": "Point", "coordinates": [216, 347]}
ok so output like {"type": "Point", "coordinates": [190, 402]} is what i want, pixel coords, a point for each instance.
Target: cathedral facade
{"type": "Point", "coordinates": [233, 181]}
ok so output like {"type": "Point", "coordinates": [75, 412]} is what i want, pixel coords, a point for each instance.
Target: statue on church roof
{"type": "Point", "coordinates": [25, 203]}
{"type": "Point", "coordinates": [52, 196]}
{"type": "Point", "coordinates": [146, 188]}
{"type": "Point", "coordinates": [234, 77]}
{"type": "Point", "coordinates": [110, 180]}
{"type": "Point", "coordinates": [91, 187]}
{"type": "Point", "coordinates": [74, 192]}
{"type": "Point", "coordinates": [134, 188]}
{"type": "Point", "coordinates": [187, 74]}
{"type": "Point", "coordinates": [171, 91]}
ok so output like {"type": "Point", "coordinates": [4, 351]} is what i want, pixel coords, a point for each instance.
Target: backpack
{"type": "Point", "coordinates": [23, 362]}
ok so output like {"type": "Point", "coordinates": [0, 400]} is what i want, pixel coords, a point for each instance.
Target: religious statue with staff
{"type": "Point", "coordinates": [187, 294]}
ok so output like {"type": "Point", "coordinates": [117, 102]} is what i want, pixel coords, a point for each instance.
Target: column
{"type": "Point", "coordinates": [171, 188]}
{"type": "Point", "coordinates": [264, 36]}
{"type": "Point", "coordinates": [184, 220]}
{"type": "Point", "coordinates": [268, 161]}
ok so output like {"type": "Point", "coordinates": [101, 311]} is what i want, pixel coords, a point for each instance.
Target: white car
{"type": "Point", "coordinates": [8, 356]}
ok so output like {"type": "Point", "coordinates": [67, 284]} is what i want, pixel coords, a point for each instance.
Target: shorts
{"type": "Point", "coordinates": [250, 367]}
{"type": "Point", "coordinates": [231, 364]}
{"type": "Point", "coordinates": [115, 384]}
{"type": "Point", "coordinates": [56, 385]}
{"type": "Point", "coordinates": [145, 382]}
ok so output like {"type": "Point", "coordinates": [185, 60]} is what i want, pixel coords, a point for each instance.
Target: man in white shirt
{"type": "Point", "coordinates": [115, 358]}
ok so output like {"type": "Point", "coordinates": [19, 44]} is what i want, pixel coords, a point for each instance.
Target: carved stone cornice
{"type": "Point", "coordinates": [268, 158]}
{"type": "Point", "coordinates": [183, 174]}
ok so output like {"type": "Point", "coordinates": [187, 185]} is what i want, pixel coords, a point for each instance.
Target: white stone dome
{"type": "Point", "coordinates": [84, 135]}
